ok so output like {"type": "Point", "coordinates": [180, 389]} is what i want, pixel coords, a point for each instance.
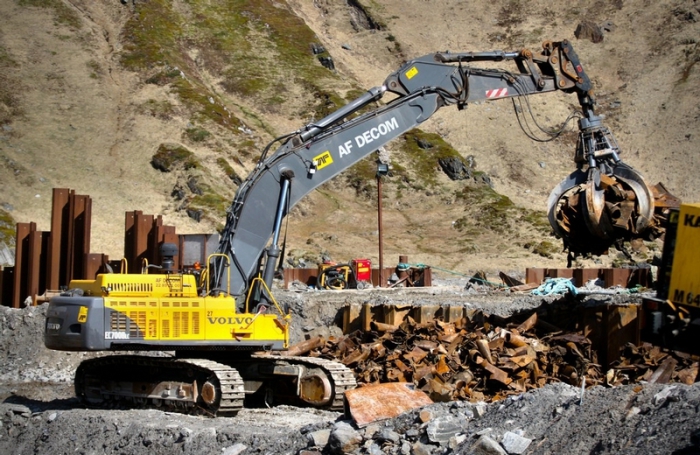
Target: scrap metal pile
{"type": "Point", "coordinates": [473, 359]}
{"type": "Point", "coordinates": [624, 209]}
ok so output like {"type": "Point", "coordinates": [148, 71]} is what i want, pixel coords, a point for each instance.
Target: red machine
{"type": "Point", "coordinates": [362, 268]}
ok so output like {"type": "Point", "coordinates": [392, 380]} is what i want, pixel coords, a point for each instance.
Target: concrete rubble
{"type": "Point", "coordinates": [546, 420]}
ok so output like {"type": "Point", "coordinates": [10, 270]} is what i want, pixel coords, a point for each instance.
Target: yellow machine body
{"type": "Point", "coordinates": [217, 364]}
{"type": "Point", "coordinates": [334, 276]}
{"type": "Point", "coordinates": [159, 312]}
{"type": "Point", "coordinates": [684, 288]}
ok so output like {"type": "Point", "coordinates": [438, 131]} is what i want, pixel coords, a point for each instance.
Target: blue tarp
{"type": "Point", "coordinates": [556, 286]}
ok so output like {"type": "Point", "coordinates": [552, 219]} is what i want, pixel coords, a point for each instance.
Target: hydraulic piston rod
{"type": "Point", "coordinates": [273, 251]}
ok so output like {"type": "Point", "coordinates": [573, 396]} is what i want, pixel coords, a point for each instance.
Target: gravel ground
{"type": "Point", "coordinates": [39, 415]}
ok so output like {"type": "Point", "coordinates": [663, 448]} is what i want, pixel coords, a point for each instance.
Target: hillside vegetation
{"type": "Point", "coordinates": [165, 106]}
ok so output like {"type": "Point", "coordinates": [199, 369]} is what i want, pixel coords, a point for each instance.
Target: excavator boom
{"type": "Point", "coordinates": [321, 150]}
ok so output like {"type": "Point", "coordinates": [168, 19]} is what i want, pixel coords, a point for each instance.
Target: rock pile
{"type": "Point", "coordinates": [555, 419]}
{"type": "Point", "coordinates": [22, 350]}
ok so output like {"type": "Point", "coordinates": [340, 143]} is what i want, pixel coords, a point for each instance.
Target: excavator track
{"type": "Point", "coordinates": [340, 378]}
{"type": "Point", "coordinates": [201, 386]}
{"type": "Point", "coordinates": [190, 386]}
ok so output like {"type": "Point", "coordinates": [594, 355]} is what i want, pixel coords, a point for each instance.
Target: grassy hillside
{"type": "Point", "coordinates": [164, 106]}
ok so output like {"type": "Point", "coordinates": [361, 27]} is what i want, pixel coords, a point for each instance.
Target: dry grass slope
{"type": "Point", "coordinates": [90, 91]}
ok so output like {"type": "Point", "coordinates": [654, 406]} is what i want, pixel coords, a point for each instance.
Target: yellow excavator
{"type": "Point", "coordinates": [223, 324]}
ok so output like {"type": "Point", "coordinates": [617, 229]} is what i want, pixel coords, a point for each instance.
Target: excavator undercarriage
{"type": "Point", "coordinates": [209, 387]}
{"type": "Point", "coordinates": [214, 357]}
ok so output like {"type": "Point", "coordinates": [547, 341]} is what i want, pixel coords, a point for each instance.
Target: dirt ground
{"type": "Point", "coordinates": [38, 413]}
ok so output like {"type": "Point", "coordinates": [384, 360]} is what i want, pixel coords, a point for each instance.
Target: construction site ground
{"type": "Point", "coordinates": [38, 413]}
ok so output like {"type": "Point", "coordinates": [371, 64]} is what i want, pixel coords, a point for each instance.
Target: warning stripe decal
{"type": "Point", "coordinates": [497, 93]}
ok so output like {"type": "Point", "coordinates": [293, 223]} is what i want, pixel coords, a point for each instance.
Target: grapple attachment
{"type": "Point", "coordinates": [605, 202]}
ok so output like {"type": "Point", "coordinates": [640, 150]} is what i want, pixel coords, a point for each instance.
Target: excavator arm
{"type": "Point", "coordinates": [321, 150]}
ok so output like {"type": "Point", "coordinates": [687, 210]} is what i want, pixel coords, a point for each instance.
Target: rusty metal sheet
{"type": "Point", "coordinates": [425, 313]}
{"type": "Point", "coordinates": [95, 264]}
{"type": "Point", "coordinates": [496, 373]}
{"type": "Point", "coordinates": [560, 273]}
{"type": "Point", "coordinates": [439, 391]}
{"type": "Point", "coordinates": [528, 324]}
{"type": "Point", "coordinates": [36, 266]}
{"type": "Point", "coordinates": [395, 314]}
{"type": "Point", "coordinates": [616, 277]}
{"type": "Point", "coordinates": [416, 355]}
{"type": "Point", "coordinates": [21, 262]}
{"type": "Point", "coordinates": [534, 275]}
{"type": "Point", "coordinates": [57, 244]}
{"type": "Point", "coordinates": [6, 284]}
{"type": "Point", "coordinates": [351, 317]}
{"type": "Point", "coordinates": [81, 209]}
{"type": "Point", "coordinates": [382, 401]}
{"type": "Point", "coordinates": [382, 327]}
{"type": "Point", "coordinates": [481, 357]}
{"type": "Point", "coordinates": [509, 281]}
{"type": "Point", "coordinates": [663, 374]}
{"type": "Point", "coordinates": [357, 356]}
{"type": "Point", "coordinates": [690, 374]}
{"type": "Point", "coordinates": [583, 276]}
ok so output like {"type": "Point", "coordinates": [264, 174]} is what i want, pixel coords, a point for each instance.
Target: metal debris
{"type": "Point", "coordinates": [382, 401]}
{"type": "Point", "coordinates": [474, 359]}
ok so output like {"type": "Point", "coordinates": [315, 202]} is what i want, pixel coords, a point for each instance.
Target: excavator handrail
{"type": "Point", "coordinates": [228, 277]}
{"type": "Point", "coordinates": [269, 293]}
